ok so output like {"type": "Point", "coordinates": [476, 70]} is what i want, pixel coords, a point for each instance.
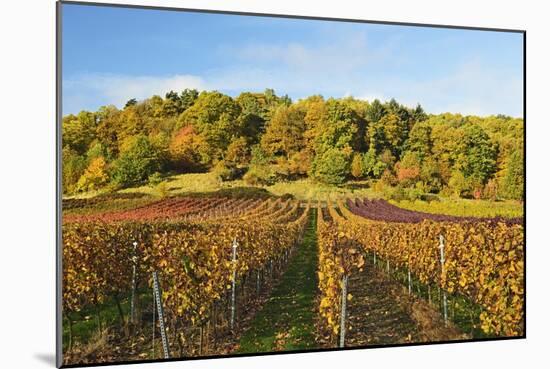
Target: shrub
{"type": "Point", "coordinates": [287, 196]}
{"type": "Point", "coordinates": [259, 175]}
{"type": "Point", "coordinates": [162, 189]}
{"type": "Point", "coordinates": [430, 197]}
{"type": "Point", "coordinates": [155, 179]}
{"type": "Point", "coordinates": [222, 172]}
{"type": "Point", "coordinates": [395, 193]}
{"type": "Point", "coordinates": [414, 194]}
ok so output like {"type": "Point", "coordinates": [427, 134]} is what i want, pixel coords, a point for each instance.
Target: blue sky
{"type": "Point", "coordinates": [111, 55]}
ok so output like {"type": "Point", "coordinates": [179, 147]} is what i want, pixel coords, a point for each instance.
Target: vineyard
{"type": "Point", "coordinates": [194, 276]}
{"type": "Point", "coordinates": [384, 211]}
{"type": "Point", "coordinates": [480, 259]}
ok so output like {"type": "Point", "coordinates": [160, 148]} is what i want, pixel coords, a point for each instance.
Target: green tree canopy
{"type": "Point", "coordinates": [79, 131]}
{"type": "Point", "coordinates": [137, 162]}
{"type": "Point", "coordinates": [284, 135]}
{"type": "Point", "coordinates": [215, 117]}
{"type": "Point", "coordinates": [420, 141]}
{"type": "Point", "coordinates": [477, 159]}
{"type": "Point", "coordinates": [514, 178]}
{"type": "Point", "coordinates": [274, 138]}
{"type": "Point", "coordinates": [332, 167]}
{"type": "Point", "coordinates": [340, 128]}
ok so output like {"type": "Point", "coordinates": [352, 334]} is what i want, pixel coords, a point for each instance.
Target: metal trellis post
{"type": "Point", "coordinates": [132, 301]}
{"type": "Point", "coordinates": [234, 281]}
{"type": "Point", "coordinates": [161, 315]}
{"type": "Point", "coordinates": [442, 260]}
{"type": "Point", "coordinates": [343, 313]}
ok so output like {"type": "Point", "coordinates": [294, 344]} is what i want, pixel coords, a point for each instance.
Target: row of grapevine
{"type": "Point", "coordinates": [193, 257]}
{"type": "Point", "coordinates": [484, 261]}
{"type": "Point", "coordinates": [339, 257]}
{"type": "Point", "coordinates": [382, 210]}
{"type": "Point", "coordinates": [168, 209]}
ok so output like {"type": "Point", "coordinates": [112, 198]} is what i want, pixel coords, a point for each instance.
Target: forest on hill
{"type": "Point", "coordinates": [263, 138]}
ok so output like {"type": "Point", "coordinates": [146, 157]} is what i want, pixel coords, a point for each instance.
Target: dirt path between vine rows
{"type": "Point", "coordinates": [287, 320]}
{"type": "Point", "coordinates": [382, 312]}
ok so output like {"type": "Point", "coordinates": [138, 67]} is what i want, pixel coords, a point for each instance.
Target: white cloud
{"type": "Point", "coordinates": [471, 88]}
{"type": "Point", "coordinates": [352, 68]}
{"type": "Point", "coordinates": [87, 90]}
{"type": "Point", "coordinates": [341, 53]}
{"type": "Point", "coordinates": [337, 65]}
{"type": "Point", "coordinates": [369, 96]}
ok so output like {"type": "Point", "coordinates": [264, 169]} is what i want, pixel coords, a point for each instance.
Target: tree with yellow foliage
{"type": "Point", "coordinates": [95, 176]}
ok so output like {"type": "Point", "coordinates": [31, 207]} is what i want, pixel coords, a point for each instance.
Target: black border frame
{"type": "Point", "coordinates": [59, 214]}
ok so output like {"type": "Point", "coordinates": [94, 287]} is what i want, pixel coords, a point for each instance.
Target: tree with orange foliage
{"type": "Point", "coordinates": [186, 149]}
{"type": "Point", "coordinates": [408, 169]}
